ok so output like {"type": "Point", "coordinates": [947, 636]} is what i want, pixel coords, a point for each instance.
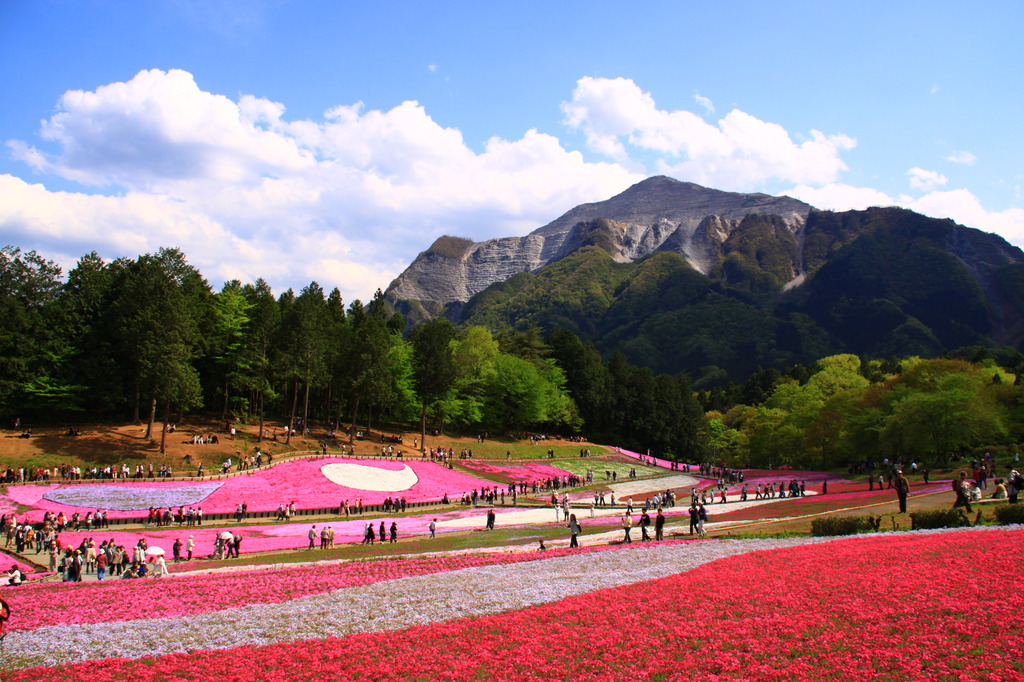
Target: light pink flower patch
{"type": "Point", "coordinates": [524, 472]}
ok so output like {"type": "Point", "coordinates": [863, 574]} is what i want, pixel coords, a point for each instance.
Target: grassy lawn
{"type": "Point", "coordinates": [520, 450]}
{"type": "Point", "coordinates": [447, 542]}
{"type": "Point", "coordinates": [580, 466]}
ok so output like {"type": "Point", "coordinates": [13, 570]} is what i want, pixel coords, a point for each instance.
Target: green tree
{"type": "Point", "coordinates": [31, 347]}
{"type": "Point", "coordinates": [514, 394]}
{"type": "Point", "coordinates": [264, 321]}
{"type": "Point", "coordinates": [955, 413]}
{"type": "Point", "coordinates": [473, 351]}
{"type": "Point", "coordinates": [304, 349]}
{"type": "Point", "coordinates": [232, 355]}
{"type": "Point", "coordinates": [434, 370]}
{"type": "Point", "coordinates": [160, 305]}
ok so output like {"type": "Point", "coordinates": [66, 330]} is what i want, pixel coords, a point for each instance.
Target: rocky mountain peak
{"type": "Point", "coordinates": [657, 214]}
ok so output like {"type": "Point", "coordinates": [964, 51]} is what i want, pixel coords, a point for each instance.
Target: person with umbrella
{"type": "Point", "coordinates": [225, 540]}
{"type": "Point", "coordinates": [159, 562]}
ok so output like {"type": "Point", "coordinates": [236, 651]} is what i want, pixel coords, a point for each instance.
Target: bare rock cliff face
{"type": "Point", "coordinates": [658, 214]}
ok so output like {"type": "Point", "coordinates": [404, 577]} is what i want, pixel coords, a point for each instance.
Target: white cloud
{"type": "Point", "coordinates": [706, 103]}
{"type": "Point", "coordinates": [925, 179]}
{"type": "Point", "coordinates": [840, 197]}
{"type": "Point", "coordinates": [965, 158]}
{"type": "Point", "coordinates": [741, 152]}
{"type": "Point", "coordinates": [959, 205]}
{"type": "Point", "coordinates": [348, 200]}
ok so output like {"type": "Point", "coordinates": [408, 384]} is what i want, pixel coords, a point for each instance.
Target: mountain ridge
{"type": "Point", "coordinates": [764, 282]}
{"type": "Point", "coordinates": [656, 213]}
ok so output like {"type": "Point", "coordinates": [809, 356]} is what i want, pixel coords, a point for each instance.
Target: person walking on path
{"type": "Point", "coordinates": [574, 530]}
{"type": "Point", "coordinates": [312, 535]}
{"type": "Point", "coordinates": [433, 527]}
{"type": "Point", "coordinates": [702, 516]}
{"type": "Point", "coordinates": [627, 525]}
{"type": "Point", "coordinates": [963, 498]}
{"type": "Point", "coordinates": [1014, 483]}
{"type": "Point", "coordinates": [902, 490]}
{"type": "Point", "coordinates": [659, 526]}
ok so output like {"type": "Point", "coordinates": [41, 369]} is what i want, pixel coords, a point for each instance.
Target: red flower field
{"type": "Point", "coordinates": [885, 607]}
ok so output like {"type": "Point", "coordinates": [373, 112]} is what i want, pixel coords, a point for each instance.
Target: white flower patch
{"type": "Point", "coordinates": [130, 498]}
{"type": "Point", "coordinates": [362, 477]}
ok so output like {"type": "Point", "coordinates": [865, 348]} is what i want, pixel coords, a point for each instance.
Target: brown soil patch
{"type": "Point", "coordinates": [113, 444]}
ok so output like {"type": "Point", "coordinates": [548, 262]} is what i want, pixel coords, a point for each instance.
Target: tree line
{"type": "Point", "coordinates": [148, 339]}
{"type": "Point", "coordinates": [845, 410]}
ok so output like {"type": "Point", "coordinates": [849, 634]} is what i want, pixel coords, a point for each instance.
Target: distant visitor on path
{"type": "Point", "coordinates": [902, 486]}
{"type": "Point", "coordinates": [574, 530]}
{"type": "Point", "coordinates": [1014, 483]}
{"type": "Point", "coordinates": [963, 498]}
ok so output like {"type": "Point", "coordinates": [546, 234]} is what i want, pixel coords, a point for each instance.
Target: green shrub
{"type": "Point", "coordinates": [844, 525]}
{"type": "Point", "coordinates": [1009, 513]}
{"type": "Point", "coordinates": [939, 518]}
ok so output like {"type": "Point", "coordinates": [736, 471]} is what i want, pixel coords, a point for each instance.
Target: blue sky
{"type": "Point", "coordinates": [335, 140]}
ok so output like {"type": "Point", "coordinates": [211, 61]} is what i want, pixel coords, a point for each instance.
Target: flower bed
{"type": "Point", "coordinates": [301, 481]}
{"type": "Point", "coordinates": [524, 472]}
{"type": "Point", "coordinates": [802, 613]}
{"type": "Point", "coordinates": [115, 600]}
{"type": "Point", "coordinates": [130, 498]}
{"type": "Point", "coordinates": [815, 504]}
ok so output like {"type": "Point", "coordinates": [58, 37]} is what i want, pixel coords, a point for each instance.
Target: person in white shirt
{"type": "Point", "coordinates": [14, 576]}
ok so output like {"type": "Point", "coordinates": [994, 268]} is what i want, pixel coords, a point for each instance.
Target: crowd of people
{"type": "Point", "coordinates": [167, 516]}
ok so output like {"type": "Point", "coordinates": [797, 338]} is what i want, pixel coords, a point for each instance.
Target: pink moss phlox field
{"type": "Point", "coordinates": [650, 461]}
{"type": "Point", "coordinates": [523, 472]}
{"type": "Point", "coordinates": [300, 481]}
{"type": "Point", "coordinates": [817, 503]}
{"type": "Point", "coordinates": [890, 607]}
{"type": "Point", "coordinates": [115, 600]}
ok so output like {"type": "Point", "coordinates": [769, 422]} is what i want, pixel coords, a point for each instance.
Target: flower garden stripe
{"type": "Point", "coordinates": [895, 606]}
{"type": "Point", "coordinates": [392, 605]}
